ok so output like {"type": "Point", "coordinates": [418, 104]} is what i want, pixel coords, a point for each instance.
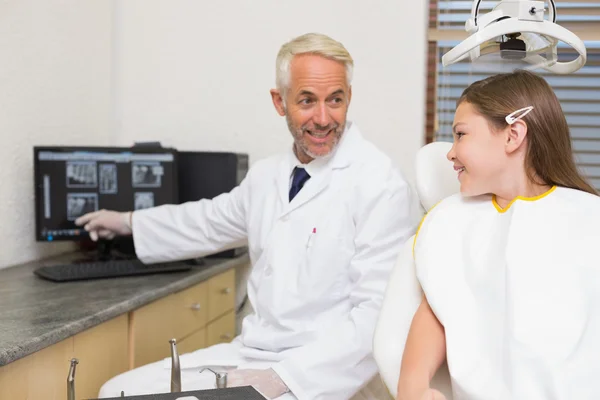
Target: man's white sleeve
{"type": "Point", "coordinates": [193, 229]}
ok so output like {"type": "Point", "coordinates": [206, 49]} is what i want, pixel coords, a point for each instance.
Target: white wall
{"type": "Point", "coordinates": [55, 62]}
{"type": "Point", "coordinates": [196, 74]}
{"type": "Point", "coordinates": [192, 74]}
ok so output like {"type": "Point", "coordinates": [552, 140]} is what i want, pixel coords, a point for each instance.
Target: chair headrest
{"type": "Point", "coordinates": [435, 175]}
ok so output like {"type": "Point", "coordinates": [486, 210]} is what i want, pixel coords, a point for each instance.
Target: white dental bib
{"type": "Point", "coordinates": [518, 293]}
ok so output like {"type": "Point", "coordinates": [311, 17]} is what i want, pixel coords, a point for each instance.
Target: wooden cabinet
{"type": "Point", "coordinates": [197, 317]}
{"type": "Point", "coordinates": [222, 330]}
{"type": "Point", "coordinates": [221, 294]}
{"type": "Point", "coordinates": [102, 353]}
{"type": "Point", "coordinates": [41, 375]}
{"type": "Point", "coordinates": [183, 316]}
{"type": "Point", "coordinates": [193, 342]}
{"type": "Point", "coordinates": [175, 316]}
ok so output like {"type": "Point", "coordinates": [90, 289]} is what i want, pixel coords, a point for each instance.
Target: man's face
{"type": "Point", "coordinates": [315, 105]}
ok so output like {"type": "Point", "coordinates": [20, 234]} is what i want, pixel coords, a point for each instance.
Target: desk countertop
{"type": "Point", "coordinates": [36, 313]}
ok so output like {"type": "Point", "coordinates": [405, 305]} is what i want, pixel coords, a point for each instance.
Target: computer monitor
{"type": "Point", "coordinates": [72, 181]}
{"type": "Point", "coordinates": [205, 175]}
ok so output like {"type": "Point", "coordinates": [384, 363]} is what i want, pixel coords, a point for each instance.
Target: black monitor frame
{"type": "Point", "coordinates": [38, 184]}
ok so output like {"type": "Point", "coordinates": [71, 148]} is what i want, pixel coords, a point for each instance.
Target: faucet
{"type": "Point", "coordinates": [175, 368]}
{"type": "Point", "coordinates": [221, 378]}
{"type": "Point", "coordinates": [71, 380]}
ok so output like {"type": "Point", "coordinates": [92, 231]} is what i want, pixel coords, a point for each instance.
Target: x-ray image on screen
{"type": "Point", "coordinates": [81, 203]}
{"type": "Point", "coordinates": [81, 174]}
{"type": "Point", "coordinates": [146, 174]}
{"type": "Point", "coordinates": [72, 181]}
{"type": "Point", "coordinates": [143, 200]}
{"type": "Point", "coordinates": [108, 178]}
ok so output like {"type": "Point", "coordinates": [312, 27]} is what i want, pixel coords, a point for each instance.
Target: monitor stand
{"type": "Point", "coordinates": [106, 250]}
{"type": "Point", "coordinates": [120, 249]}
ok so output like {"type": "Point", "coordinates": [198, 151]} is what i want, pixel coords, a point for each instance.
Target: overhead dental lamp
{"type": "Point", "coordinates": [516, 31]}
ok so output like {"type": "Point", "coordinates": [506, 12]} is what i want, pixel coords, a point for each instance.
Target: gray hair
{"type": "Point", "coordinates": [310, 43]}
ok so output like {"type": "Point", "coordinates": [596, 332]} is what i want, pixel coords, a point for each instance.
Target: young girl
{"type": "Point", "coordinates": [509, 267]}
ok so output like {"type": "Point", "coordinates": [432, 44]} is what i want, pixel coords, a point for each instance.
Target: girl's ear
{"type": "Point", "coordinates": [515, 136]}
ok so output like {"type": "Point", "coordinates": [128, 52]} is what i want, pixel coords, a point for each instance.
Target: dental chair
{"type": "Point", "coordinates": [435, 180]}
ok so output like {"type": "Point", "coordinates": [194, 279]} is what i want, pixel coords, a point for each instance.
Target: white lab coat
{"type": "Point", "coordinates": [518, 293]}
{"type": "Point", "coordinates": [320, 262]}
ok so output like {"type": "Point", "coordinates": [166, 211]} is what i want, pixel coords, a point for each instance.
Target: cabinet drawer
{"type": "Point", "coordinates": [102, 354]}
{"type": "Point", "coordinates": [221, 294]}
{"type": "Point", "coordinates": [175, 316]}
{"type": "Point", "coordinates": [221, 330]}
{"type": "Point", "coordinates": [41, 375]}
{"type": "Point", "coordinates": [193, 342]}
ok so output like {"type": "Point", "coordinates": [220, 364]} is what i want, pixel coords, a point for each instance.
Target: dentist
{"type": "Point", "coordinates": [324, 222]}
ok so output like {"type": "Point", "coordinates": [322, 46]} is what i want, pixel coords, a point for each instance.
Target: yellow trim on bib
{"type": "Point", "coordinates": [503, 210]}
{"type": "Point", "coordinates": [419, 228]}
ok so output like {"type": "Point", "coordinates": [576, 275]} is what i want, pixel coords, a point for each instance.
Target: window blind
{"type": "Point", "coordinates": [578, 93]}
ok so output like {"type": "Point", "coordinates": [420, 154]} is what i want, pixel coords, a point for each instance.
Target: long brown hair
{"type": "Point", "coordinates": [549, 156]}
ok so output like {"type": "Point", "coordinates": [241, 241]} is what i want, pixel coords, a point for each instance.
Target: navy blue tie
{"type": "Point", "coordinates": [300, 178]}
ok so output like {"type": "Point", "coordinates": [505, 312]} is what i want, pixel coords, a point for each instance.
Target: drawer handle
{"type": "Point", "coordinates": [226, 290]}
{"type": "Point", "coordinates": [227, 336]}
{"type": "Point", "coordinates": [195, 306]}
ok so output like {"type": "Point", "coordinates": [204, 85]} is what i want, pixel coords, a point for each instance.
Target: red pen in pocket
{"type": "Point", "coordinates": [310, 237]}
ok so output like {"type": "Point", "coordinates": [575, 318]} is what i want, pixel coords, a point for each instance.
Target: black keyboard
{"type": "Point", "coordinates": [105, 269]}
